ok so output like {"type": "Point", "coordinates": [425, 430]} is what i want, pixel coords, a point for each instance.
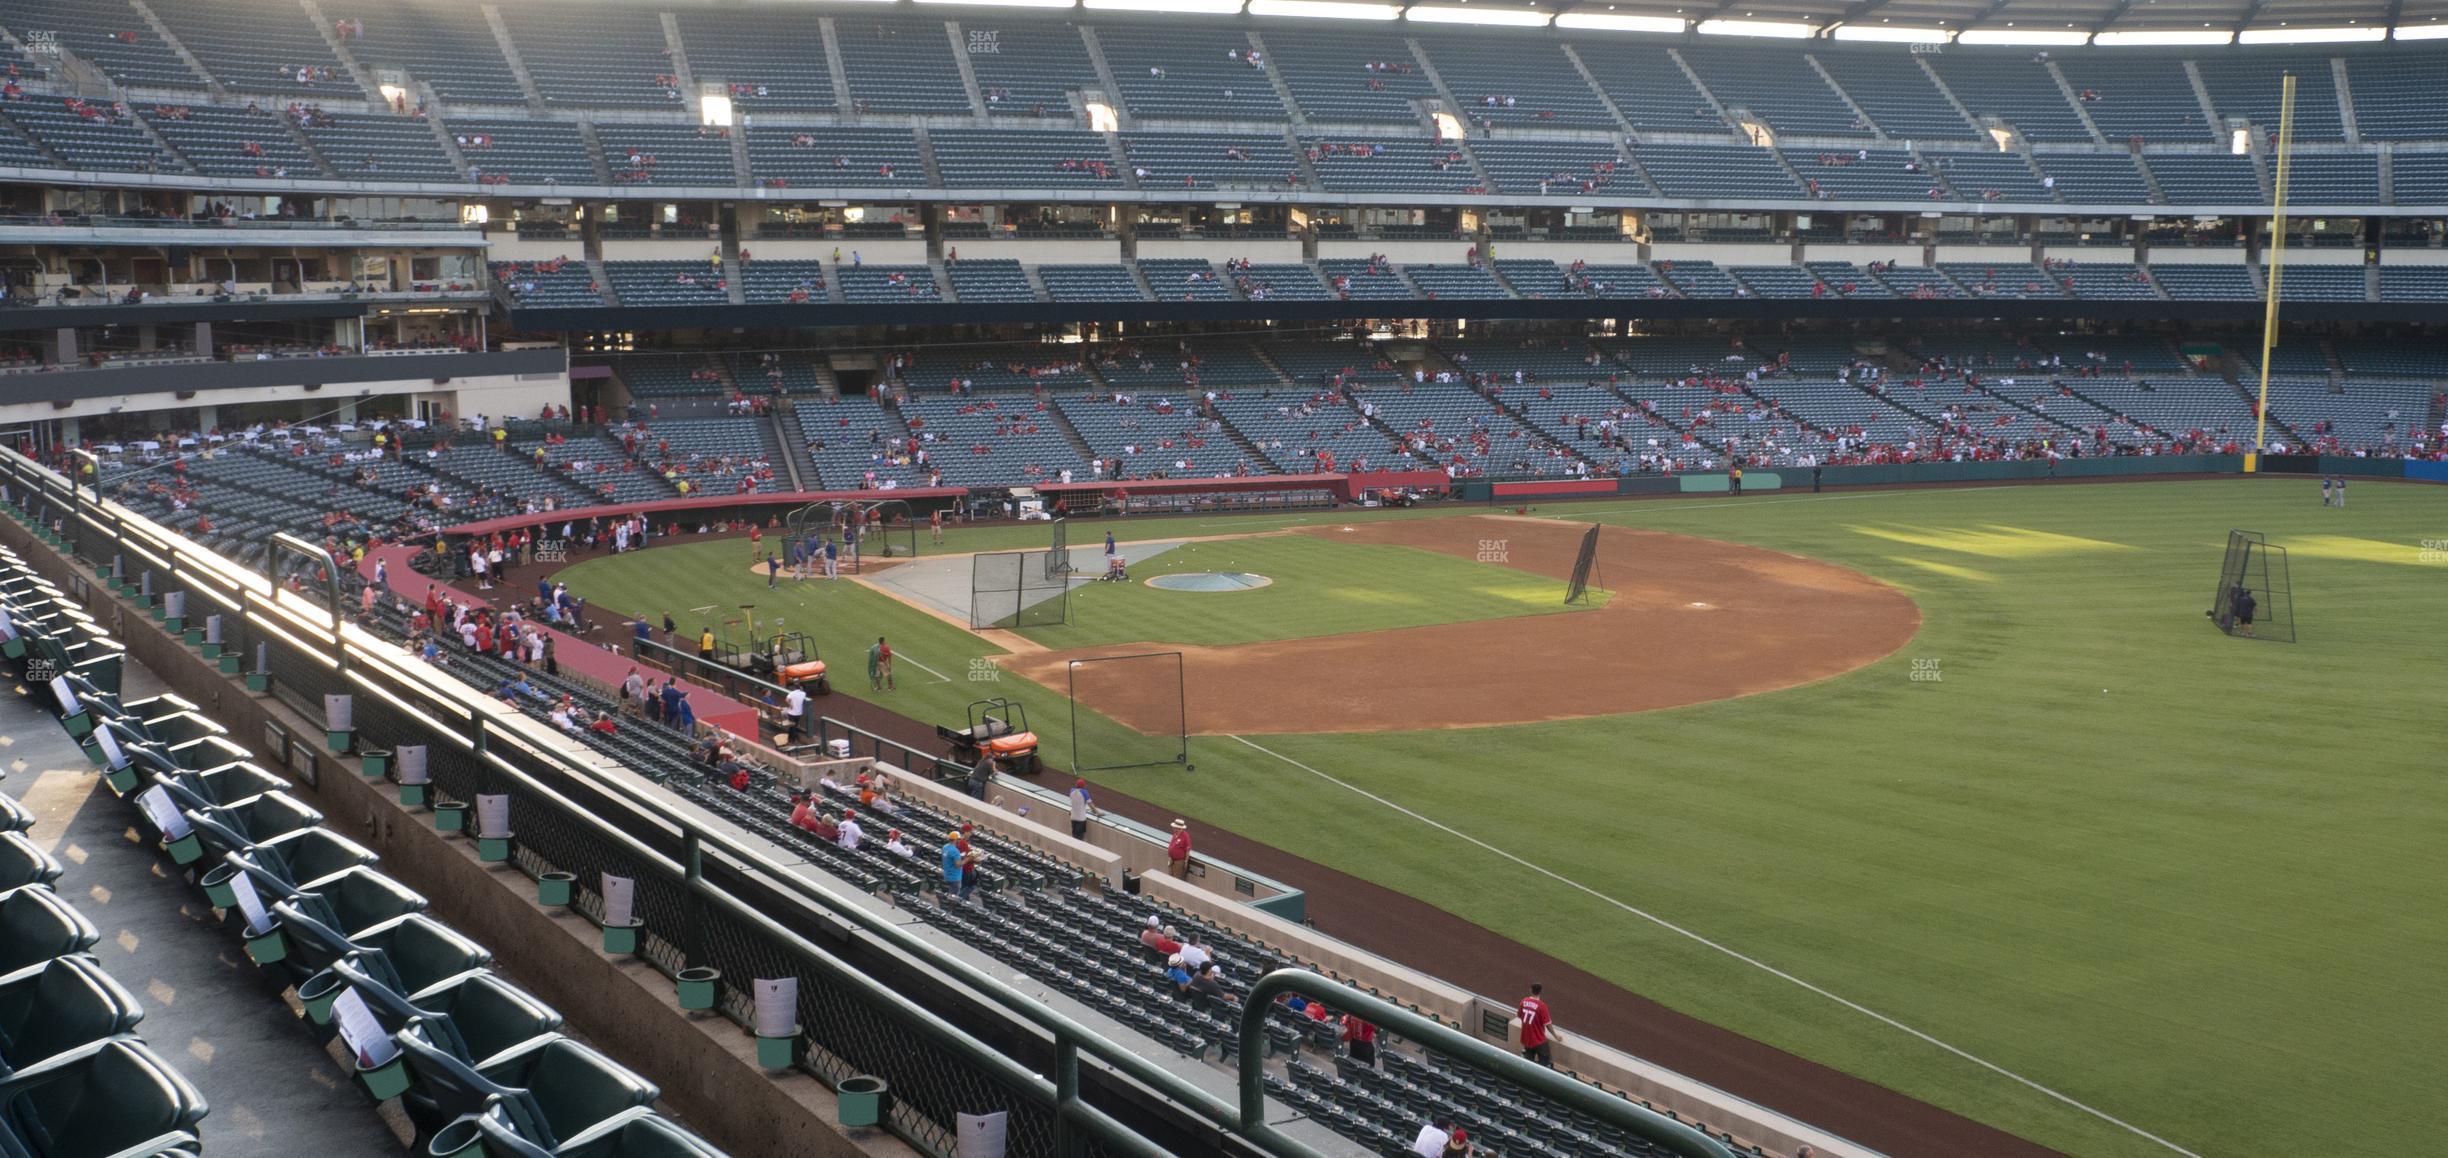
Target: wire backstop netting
{"type": "Point", "coordinates": [1015, 589]}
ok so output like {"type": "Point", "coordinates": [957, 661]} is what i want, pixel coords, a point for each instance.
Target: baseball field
{"type": "Point", "coordinates": [1954, 790]}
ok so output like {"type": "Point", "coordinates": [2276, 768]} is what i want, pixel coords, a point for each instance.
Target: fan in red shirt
{"type": "Point", "coordinates": [1537, 1028]}
{"type": "Point", "coordinates": [1362, 1038]}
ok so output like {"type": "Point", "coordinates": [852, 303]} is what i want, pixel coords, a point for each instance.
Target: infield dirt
{"type": "Point", "coordinates": [1688, 620]}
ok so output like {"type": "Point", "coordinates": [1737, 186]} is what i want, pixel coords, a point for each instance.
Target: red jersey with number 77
{"type": "Point", "coordinates": [1533, 1015]}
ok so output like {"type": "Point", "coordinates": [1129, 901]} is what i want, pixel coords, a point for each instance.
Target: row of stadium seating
{"type": "Point", "coordinates": [244, 143]}
{"type": "Point", "coordinates": [476, 1046]}
{"type": "Point", "coordinates": [1481, 409]}
{"type": "Point", "coordinates": [566, 56]}
{"type": "Point", "coordinates": [667, 283]}
{"type": "Point", "coordinates": [77, 1078]}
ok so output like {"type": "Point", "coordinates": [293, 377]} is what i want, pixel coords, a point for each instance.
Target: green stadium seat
{"type": "Point", "coordinates": [359, 898]}
{"type": "Point", "coordinates": [307, 856]}
{"type": "Point", "coordinates": [66, 1004]}
{"type": "Point", "coordinates": [575, 1089]}
{"type": "Point", "coordinates": [329, 923]}
{"type": "Point", "coordinates": [641, 1136]}
{"type": "Point", "coordinates": [230, 783]}
{"type": "Point", "coordinates": [412, 954]}
{"type": "Point", "coordinates": [13, 816]}
{"type": "Point", "coordinates": [228, 827]}
{"type": "Point", "coordinates": [23, 863]}
{"type": "Point", "coordinates": [115, 1098]}
{"type": "Point", "coordinates": [556, 1090]}
{"type": "Point", "coordinates": [36, 926]}
{"type": "Point", "coordinates": [476, 1017]}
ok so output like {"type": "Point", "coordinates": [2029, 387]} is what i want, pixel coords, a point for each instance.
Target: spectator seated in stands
{"type": "Point", "coordinates": [1156, 936]}
{"type": "Point", "coordinates": [1210, 983]}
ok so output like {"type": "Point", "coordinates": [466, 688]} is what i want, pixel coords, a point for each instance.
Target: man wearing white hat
{"type": "Point", "coordinates": [1177, 851]}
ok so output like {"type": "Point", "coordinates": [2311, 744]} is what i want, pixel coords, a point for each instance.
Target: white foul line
{"type": "Point", "coordinates": [1736, 954]}
{"type": "Point", "coordinates": [940, 677]}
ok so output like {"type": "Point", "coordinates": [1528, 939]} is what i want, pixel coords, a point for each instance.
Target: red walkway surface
{"type": "Point", "coordinates": [576, 656]}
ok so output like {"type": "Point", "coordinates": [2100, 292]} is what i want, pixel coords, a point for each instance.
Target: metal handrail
{"type": "Point", "coordinates": [1588, 1099]}
{"type": "Point", "coordinates": [279, 542]}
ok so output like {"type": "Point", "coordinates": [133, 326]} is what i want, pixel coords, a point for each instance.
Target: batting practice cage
{"type": "Point", "coordinates": [1145, 724]}
{"type": "Point", "coordinates": [1013, 589]}
{"type": "Point", "coordinates": [860, 531]}
{"type": "Point", "coordinates": [1585, 570]}
{"type": "Point", "coordinates": [1058, 560]}
{"type": "Point", "coordinates": [2254, 565]}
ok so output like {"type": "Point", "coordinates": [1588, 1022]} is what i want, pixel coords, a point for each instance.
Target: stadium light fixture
{"type": "Point", "coordinates": [2421, 31]}
{"type": "Point", "coordinates": [1194, 7]}
{"type": "Point", "coordinates": [2163, 37]}
{"type": "Point", "coordinates": [1790, 30]}
{"type": "Point", "coordinates": [1465, 14]}
{"type": "Point", "coordinates": [2311, 35]}
{"type": "Point", "coordinates": [2028, 37]}
{"type": "Point", "coordinates": [1891, 34]}
{"type": "Point", "coordinates": [1609, 22]}
{"type": "Point", "coordinates": [1324, 9]}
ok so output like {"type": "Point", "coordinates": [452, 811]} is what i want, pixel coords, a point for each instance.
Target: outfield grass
{"type": "Point", "coordinates": [2189, 880]}
{"type": "Point", "coordinates": [1319, 588]}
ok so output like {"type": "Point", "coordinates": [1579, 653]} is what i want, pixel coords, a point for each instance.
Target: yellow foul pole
{"type": "Point", "coordinates": [2274, 258]}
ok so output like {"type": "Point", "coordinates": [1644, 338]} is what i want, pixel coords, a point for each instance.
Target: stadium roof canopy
{"type": "Point", "coordinates": [2032, 22]}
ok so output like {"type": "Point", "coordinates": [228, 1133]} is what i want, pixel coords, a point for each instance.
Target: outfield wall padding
{"type": "Point", "coordinates": [1719, 484]}
{"type": "Point", "coordinates": [2369, 467]}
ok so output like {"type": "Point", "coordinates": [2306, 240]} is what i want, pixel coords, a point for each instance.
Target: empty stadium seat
{"type": "Point", "coordinates": [1210, 160]}
{"type": "Point", "coordinates": [2146, 97]}
{"type": "Point", "coordinates": [379, 148]}
{"type": "Point", "coordinates": [65, 1004]}
{"type": "Point", "coordinates": [989, 280]}
{"type": "Point", "coordinates": [114, 1097]}
{"type": "Point", "coordinates": [820, 155]}
{"type": "Point", "coordinates": [447, 47]}
{"type": "Point", "coordinates": [259, 49]}
{"type": "Point", "coordinates": [1900, 99]}
{"type": "Point", "coordinates": [1516, 85]}
{"type": "Point", "coordinates": [1714, 171]}
{"type": "Point", "coordinates": [1089, 283]}
{"type": "Point", "coordinates": [2094, 178]}
{"type": "Point", "coordinates": [1768, 83]}
{"type": "Point", "coordinates": [1184, 72]}
{"type": "Point", "coordinates": [109, 33]}
{"type": "Point", "coordinates": [97, 141]}
{"type": "Point", "coordinates": [899, 66]}
{"type": "Point", "coordinates": [2206, 178]}
{"type": "Point", "coordinates": [523, 152]}
{"type": "Point", "coordinates": [1024, 159]}
{"type": "Point", "coordinates": [2245, 84]}
{"type": "Point", "coordinates": [594, 57]}
{"type": "Point", "coordinates": [2014, 87]}
{"type": "Point", "coordinates": [1028, 71]}
{"type": "Point", "coordinates": [735, 48]}
{"type": "Point", "coordinates": [36, 926]}
{"type": "Point", "coordinates": [22, 862]}
{"type": "Point", "coordinates": [1390, 166]}
{"type": "Point", "coordinates": [2199, 280]}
